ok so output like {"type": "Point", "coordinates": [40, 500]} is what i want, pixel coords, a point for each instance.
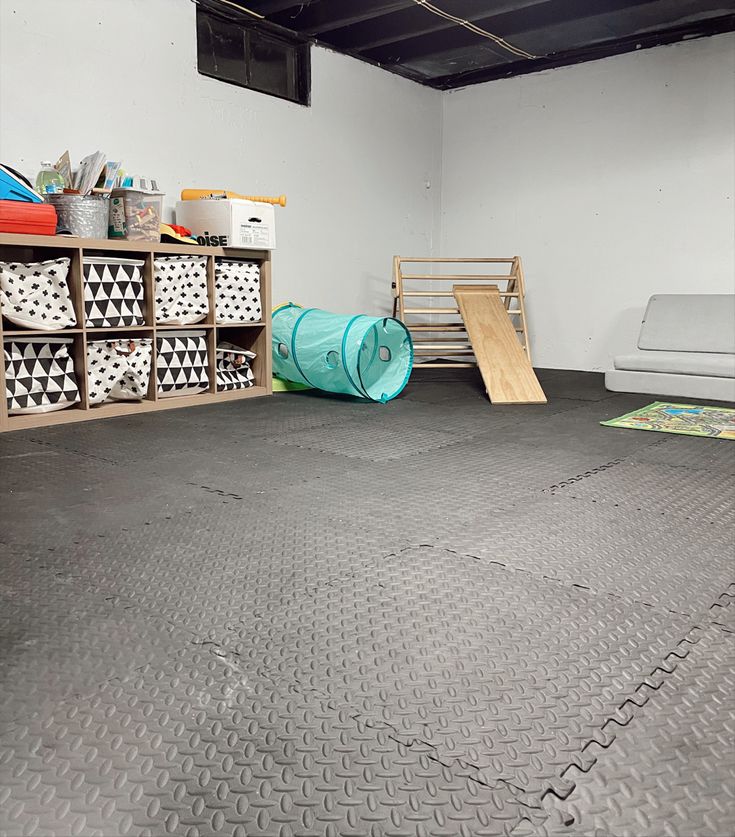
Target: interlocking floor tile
{"type": "Point", "coordinates": [498, 671]}
{"type": "Point", "coordinates": [373, 440]}
{"type": "Point", "coordinates": [680, 496]}
{"type": "Point", "coordinates": [591, 545]}
{"type": "Point", "coordinates": [193, 746]}
{"type": "Point", "coordinates": [308, 616]}
{"type": "Point", "coordinates": [692, 453]}
{"type": "Point", "coordinates": [671, 769]}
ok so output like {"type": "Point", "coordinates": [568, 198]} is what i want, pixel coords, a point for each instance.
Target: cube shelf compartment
{"type": "Point", "coordinates": [254, 336]}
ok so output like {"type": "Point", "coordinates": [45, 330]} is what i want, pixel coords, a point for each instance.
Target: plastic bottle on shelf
{"type": "Point", "coordinates": [49, 181]}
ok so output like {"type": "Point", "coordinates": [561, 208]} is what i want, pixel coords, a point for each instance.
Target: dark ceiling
{"type": "Point", "coordinates": [411, 38]}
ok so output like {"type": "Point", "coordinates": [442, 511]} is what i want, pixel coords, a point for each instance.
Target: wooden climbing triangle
{"type": "Point", "coordinates": [480, 321]}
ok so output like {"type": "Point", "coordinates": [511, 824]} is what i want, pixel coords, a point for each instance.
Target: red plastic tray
{"type": "Point", "coordinates": [27, 218]}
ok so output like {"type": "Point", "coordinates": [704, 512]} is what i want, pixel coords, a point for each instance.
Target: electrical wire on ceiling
{"type": "Point", "coordinates": [521, 53]}
{"type": "Point", "coordinates": [237, 6]}
{"type": "Point", "coordinates": [430, 7]}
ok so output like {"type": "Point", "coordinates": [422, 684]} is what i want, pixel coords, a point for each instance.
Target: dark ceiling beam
{"type": "Point", "coordinates": [337, 22]}
{"type": "Point", "coordinates": [509, 25]}
{"type": "Point", "coordinates": [414, 21]}
{"type": "Point", "coordinates": [270, 7]}
{"type": "Point", "coordinates": [227, 11]}
{"type": "Point", "coordinates": [534, 20]}
{"type": "Point", "coordinates": [617, 46]}
{"type": "Point", "coordinates": [320, 16]}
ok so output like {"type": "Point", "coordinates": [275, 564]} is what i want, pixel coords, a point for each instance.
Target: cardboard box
{"type": "Point", "coordinates": [229, 223]}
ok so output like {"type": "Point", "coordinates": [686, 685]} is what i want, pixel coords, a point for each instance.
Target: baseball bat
{"type": "Point", "coordinates": [197, 194]}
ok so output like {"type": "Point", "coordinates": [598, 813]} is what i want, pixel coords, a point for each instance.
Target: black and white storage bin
{"type": "Point", "coordinates": [234, 369]}
{"type": "Point", "coordinates": [39, 374]}
{"type": "Point", "coordinates": [237, 291]}
{"type": "Point", "coordinates": [36, 295]}
{"type": "Point", "coordinates": [182, 363]}
{"type": "Point", "coordinates": [113, 292]}
{"type": "Point", "coordinates": [181, 289]}
{"type": "Point", "coordinates": [118, 370]}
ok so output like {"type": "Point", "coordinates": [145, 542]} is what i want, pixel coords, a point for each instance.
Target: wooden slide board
{"type": "Point", "coordinates": [506, 370]}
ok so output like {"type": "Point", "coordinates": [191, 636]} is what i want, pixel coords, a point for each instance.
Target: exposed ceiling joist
{"type": "Point", "coordinates": [511, 25]}
{"type": "Point", "coordinates": [408, 38]}
{"type": "Point", "coordinates": [268, 7]}
{"type": "Point", "coordinates": [328, 15]}
{"type": "Point", "coordinates": [725, 23]}
{"type": "Point", "coordinates": [412, 22]}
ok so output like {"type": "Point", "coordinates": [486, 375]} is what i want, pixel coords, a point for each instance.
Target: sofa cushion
{"type": "Point", "coordinates": [679, 363]}
{"type": "Point", "coordinates": [689, 323]}
{"type": "Point", "coordinates": [668, 386]}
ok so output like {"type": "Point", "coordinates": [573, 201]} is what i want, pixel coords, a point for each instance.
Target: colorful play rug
{"type": "Point", "coordinates": [715, 422]}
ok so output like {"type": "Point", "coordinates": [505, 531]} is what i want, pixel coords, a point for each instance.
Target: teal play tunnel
{"type": "Point", "coordinates": [370, 357]}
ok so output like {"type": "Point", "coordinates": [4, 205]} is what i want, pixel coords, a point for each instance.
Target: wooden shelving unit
{"type": "Point", "coordinates": [255, 336]}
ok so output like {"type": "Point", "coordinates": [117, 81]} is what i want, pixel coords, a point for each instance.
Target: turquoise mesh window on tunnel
{"type": "Point", "coordinates": [369, 357]}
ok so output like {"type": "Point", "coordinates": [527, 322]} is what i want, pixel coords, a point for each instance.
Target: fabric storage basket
{"type": "Point", "coordinates": [182, 363]}
{"type": "Point", "coordinates": [113, 292]}
{"type": "Point", "coordinates": [234, 368]}
{"type": "Point", "coordinates": [39, 374]}
{"type": "Point", "coordinates": [237, 291]}
{"type": "Point", "coordinates": [118, 370]}
{"type": "Point", "coordinates": [181, 289]}
{"type": "Point", "coordinates": [36, 295]}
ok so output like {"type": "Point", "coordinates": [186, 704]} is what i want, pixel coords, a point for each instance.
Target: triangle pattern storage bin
{"type": "Point", "coordinates": [182, 363]}
{"type": "Point", "coordinates": [39, 374]}
{"type": "Point", "coordinates": [113, 292]}
{"type": "Point", "coordinates": [233, 368]}
{"type": "Point", "coordinates": [237, 291]}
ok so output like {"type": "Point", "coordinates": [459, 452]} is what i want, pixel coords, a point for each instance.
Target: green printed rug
{"type": "Point", "coordinates": [688, 419]}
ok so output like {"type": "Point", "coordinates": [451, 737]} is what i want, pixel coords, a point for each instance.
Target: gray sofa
{"type": "Point", "coordinates": [686, 349]}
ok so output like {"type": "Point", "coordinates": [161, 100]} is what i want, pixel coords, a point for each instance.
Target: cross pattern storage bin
{"type": "Point", "coordinates": [182, 363]}
{"type": "Point", "coordinates": [39, 374]}
{"type": "Point", "coordinates": [113, 292]}
{"type": "Point", "coordinates": [181, 289]}
{"type": "Point", "coordinates": [117, 358]}
{"type": "Point", "coordinates": [234, 368]}
{"type": "Point", "coordinates": [237, 291]}
{"type": "Point", "coordinates": [36, 294]}
{"type": "Point", "coordinates": [118, 370]}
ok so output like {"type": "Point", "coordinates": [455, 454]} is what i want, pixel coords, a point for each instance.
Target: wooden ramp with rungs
{"type": "Point", "coordinates": [506, 369]}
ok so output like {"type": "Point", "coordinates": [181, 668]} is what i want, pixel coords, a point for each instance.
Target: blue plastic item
{"type": "Point", "coordinates": [14, 187]}
{"type": "Point", "coordinates": [370, 357]}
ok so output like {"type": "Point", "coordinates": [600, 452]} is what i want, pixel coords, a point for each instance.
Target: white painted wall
{"type": "Point", "coordinates": [121, 77]}
{"type": "Point", "coordinates": [613, 180]}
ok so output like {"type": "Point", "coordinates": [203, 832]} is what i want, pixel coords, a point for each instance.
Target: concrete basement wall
{"type": "Point", "coordinates": [360, 167]}
{"type": "Point", "coordinates": [613, 179]}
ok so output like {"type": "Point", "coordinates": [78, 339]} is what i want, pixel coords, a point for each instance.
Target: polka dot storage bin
{"type": "Point", "coordinates": [181, 289]}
